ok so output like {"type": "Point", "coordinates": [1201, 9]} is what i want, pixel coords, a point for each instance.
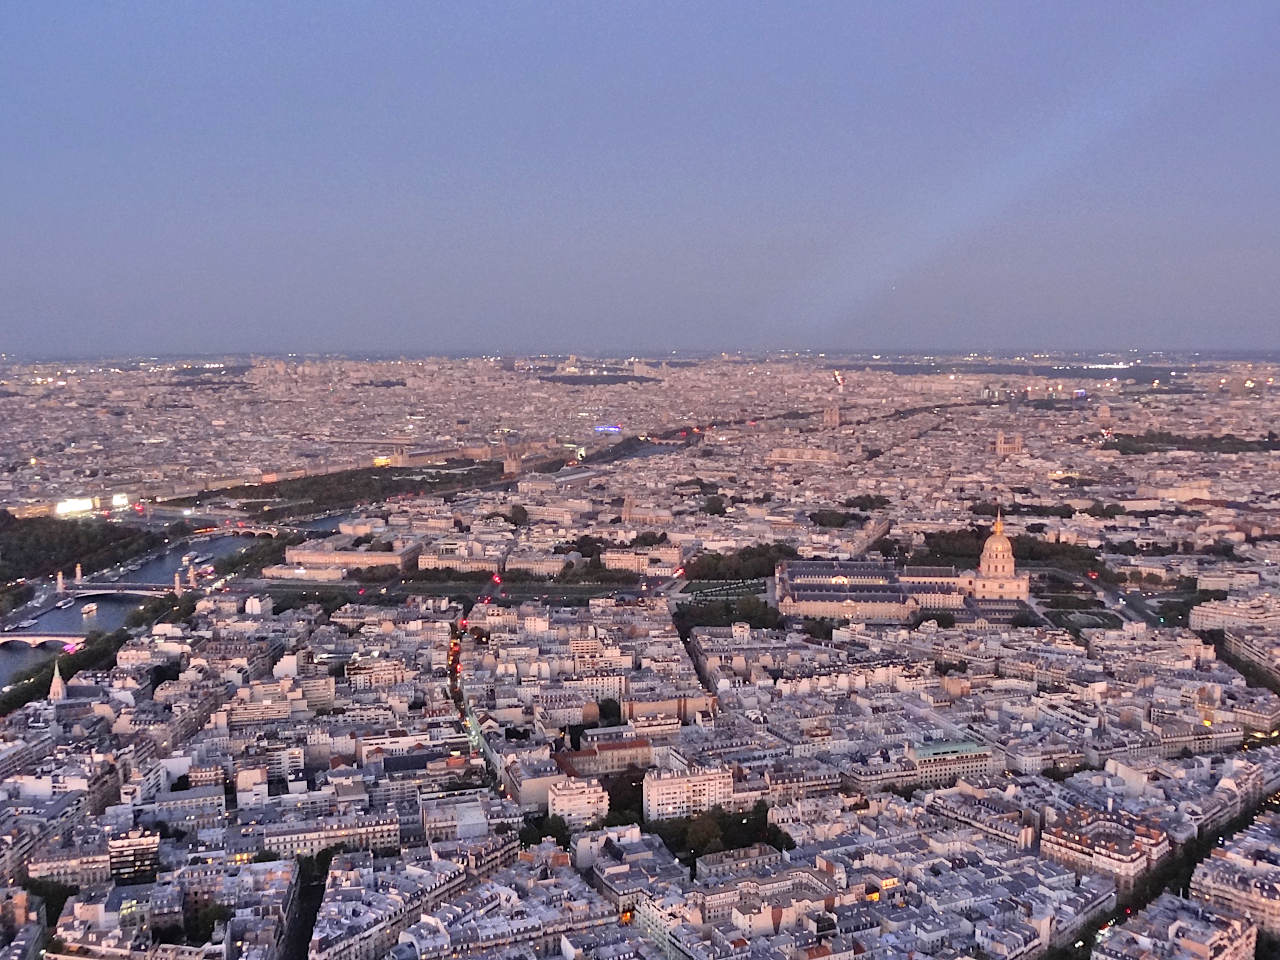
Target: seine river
{"type": "Point", "coordinates": [17, 657]}
{"type": "Point", "coordinates": [112, 611]}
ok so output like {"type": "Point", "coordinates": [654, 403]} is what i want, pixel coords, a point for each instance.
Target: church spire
{"type": "Point", "coordinates": [997, 528]}
{"type": "Point", "coordinates": [57, 686]}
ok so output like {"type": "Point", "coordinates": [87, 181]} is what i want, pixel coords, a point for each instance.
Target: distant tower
{"type": "Point", "coordinates": [191, 575]}
{"type": "Point", "coordinates": [79, 574]}
{"type": "Point", "coordinates": [831, 418]}
{"type": "Point", "coordinates": [62, 583]}
{"type": "Point", "coordinates": [177, 583]}
{"type": "Point", "coordinates": [511, 466]}
{"type": "Point", "coordinates": [57, 686]}
{"type": "Point", "coordinates": [1007, 446]}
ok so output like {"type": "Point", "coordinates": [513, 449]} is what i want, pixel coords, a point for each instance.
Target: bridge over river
{"type": "Point", "coordinates": [62, 641]}
{"type": "Point", "coordinates": [78, 593]}
{"type": "Point", "coordinates": [82, 591]}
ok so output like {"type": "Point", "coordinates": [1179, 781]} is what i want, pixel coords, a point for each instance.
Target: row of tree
{"type": "Point", "coordinates": [1097, 509]}
{"type": "Point", "coordinates": [34, 547]}
{"type": "Point", "coordinates": [747, 608]}
{"type": "Point", "coordinates": [749, 563]}
{"type": "Point", "coordinates": [346, 488]}
{"type": "Point", "coordinates": [1154, 441]}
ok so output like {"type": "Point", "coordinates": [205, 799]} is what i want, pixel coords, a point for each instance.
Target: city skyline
{"type": "Point", "coordinates": [628, 180]}
{"type": "Point", "coordinates": [886, 356]}
{"type": "Point", "coordinates": [403, 660]}
{"type": "Point", "coordinates": [640, 481]}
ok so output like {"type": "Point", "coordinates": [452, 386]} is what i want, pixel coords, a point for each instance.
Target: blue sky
{"type": "Point", "coordinates": [617, 177]}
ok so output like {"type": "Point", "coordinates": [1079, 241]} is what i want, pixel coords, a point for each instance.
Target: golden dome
{"type": "Point", "coordinates": [997, 545]}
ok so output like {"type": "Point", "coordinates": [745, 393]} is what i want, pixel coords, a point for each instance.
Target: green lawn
{"type": "Point", "coordinates": [1084, 620]}
{"type": "Point", "coordinates": [723, 588]}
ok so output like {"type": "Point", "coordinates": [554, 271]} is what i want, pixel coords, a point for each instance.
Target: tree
{"type": "Point", "coordinates": [519, 516]}
{"type": "Point", "coordinates": [53, 894]}
{"type": "Point", "coordinates": [748, 609]}
{"type": "Point", "coordinates": [714, 505]}
{"type": "Point", "coordinates": [165, 673]}
{"type": "Point", "coordinates": [674, 833]}
{"type": "Point", "coordinates": [819, 629]}
{"type": "Point", "coordinates": [173, 933]}
{"type": "Point", "coordinates": [749, 563]}
{"type": "Point", "coordinates": [554, 826]}
{"type": "Point", "coordinates": [1104, 510]}
{"type": "Point", "coordinates": [837, 518]}
{"type": "Point", "coordinates": [621, 818]}
{"type": "Point", "coordinates": [610, 712]}
{"type": "Point", "coordinates": [867, 501]}
{"type": "Point", "coordinates": [886, 547]}
{"type": "Point", "coordinates": [557, 828]}
{"type": "Point", "coordinates": [705, 835]}
{"type": "Point", "coordinates": [575, 734]}
{"type": "Point", "coordinates": [38, 546]}
{"type": "Point", "coordinates": [758, 819]}
{"type": "Point", "coordinates": [718, 829]}
{"type": "Point", "coordinates": [200, 926]}
{"type": "Point", "coordinates": [626, 795]}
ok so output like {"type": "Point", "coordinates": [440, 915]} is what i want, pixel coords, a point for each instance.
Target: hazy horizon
{"type": "Point", "coordinates": [883, 358]}
{"type": "Point", "coordinates": [630, 179]}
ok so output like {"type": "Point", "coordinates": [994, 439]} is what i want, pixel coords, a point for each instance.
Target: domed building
{"type": "Point", "coordinates": [875, 590]}
{"type": "Point", "coordinates": [997, 553]}
{"type": "Point", "coordinates": [997, 577]}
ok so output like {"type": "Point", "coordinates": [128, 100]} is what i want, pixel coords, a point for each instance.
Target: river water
{"type": "Point", "coordinates": [17, 657]}
{"type": "Point", "coordinates": [112, 610]}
